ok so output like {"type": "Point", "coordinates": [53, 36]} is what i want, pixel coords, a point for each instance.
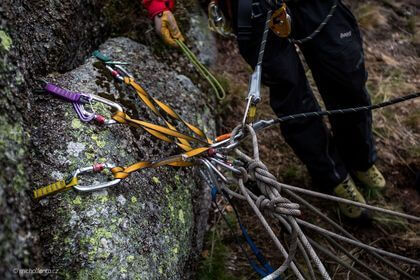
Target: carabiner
{"type": "Point", "coordinates": [226, 165]}
{"type": "Point", "coordinates": [117, 71]}
{"type": "Point", "coordinates": [217, 21]}
{"type": "Point", "coordinates": [118, 63]}
{"type": "Point", "coordinates": [213, 169]}
{"type": "Point", "coordinates": [114, 73]}
{"type": "Point", "coordinates": [254, 95]}
{"type": "Point", "coordinates": [96, 168]}
{"type": "Point", "coordinates": [111, 104]}
{"type": "Point", "coordinates": [79, 100]}
{"type": "Point", "coordinates": [123, 71]}
{"type": "Point", "coordinates": [88, 116]}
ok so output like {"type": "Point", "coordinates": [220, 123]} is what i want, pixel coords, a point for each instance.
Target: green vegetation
{"type": "Point", "coordinates": [213, 265]}
{"type": "Point", "coordinates": [5, 40]}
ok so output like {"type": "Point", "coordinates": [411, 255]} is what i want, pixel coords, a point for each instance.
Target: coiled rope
{"type": "Point", "coordinates": [274, 205]}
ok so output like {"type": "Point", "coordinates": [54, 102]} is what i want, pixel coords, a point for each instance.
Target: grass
{"type": "Point", "coordinates": [371, 15]}
{"type": "Point", "coordinates": [214, 260]}
{"type": "Point", "coordinates": [213, 264]}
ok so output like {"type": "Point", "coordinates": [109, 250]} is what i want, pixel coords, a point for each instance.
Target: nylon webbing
{"type": "Point", "coordinates": [56, 187]}
{"type": "Point", "coordinates": [150, 103]}
{"type": "Point", "coordinates": [177, 160]}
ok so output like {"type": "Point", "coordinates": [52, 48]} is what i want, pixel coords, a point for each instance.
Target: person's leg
{"type": "Point", "coordinates": [336, 59]}
{"type": "Point", "coordinates": [290, 93]}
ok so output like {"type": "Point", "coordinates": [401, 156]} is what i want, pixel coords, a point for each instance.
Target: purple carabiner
{"type": "Point", "coordinates": [82, 113]}
{"type": "Point", "coordinates": [79, 99]}
{"type": "Point", "coordinates": [76, 98]}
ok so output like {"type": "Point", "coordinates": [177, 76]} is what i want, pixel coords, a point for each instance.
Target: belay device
{"type": "Point", "coordinates": [280, 22]}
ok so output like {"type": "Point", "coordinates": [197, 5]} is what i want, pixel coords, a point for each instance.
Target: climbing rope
{"type": "Point", "coordinates": [254, 88]}
{"type": "Point", "coordinates": [320, 26]}
{"type": "Point", "coordinates": [263, 124]}
{"type": "Point", "coordinates": [204, 72]}
{"type": "Point", "coordinates": [274, 205]}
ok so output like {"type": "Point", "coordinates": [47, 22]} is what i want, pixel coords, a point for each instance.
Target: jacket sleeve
{"type": "Point", "coordinates": [155, 7]}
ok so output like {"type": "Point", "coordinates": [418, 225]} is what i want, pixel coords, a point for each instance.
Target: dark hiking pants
{"type": "Point", "coordinates": [335, 57]}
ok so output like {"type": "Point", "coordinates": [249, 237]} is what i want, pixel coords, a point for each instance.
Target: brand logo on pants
{"type": "Point", "coordinates": [345, 34]}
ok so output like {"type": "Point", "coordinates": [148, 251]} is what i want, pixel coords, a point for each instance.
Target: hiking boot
{"type": "Point", "coordinates": [371, 178]}
{"type": "Point", "coordinates": [348, 190]}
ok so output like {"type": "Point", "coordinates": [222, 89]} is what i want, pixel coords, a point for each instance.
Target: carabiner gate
{"type": "Point", "coordinates": [96, 168]}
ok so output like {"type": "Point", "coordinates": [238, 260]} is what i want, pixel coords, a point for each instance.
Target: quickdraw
{"type": "Point", "coordinates": [78, 101]}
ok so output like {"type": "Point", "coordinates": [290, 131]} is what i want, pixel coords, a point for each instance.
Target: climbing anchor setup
{"type": "Point", "coordinates": [224, 166]}
{"type": "Point", "coordinates": [168, 134]}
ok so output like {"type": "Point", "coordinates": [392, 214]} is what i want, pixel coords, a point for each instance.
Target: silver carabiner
{"type": "Point", "coordinates": [96, 168]}
{"type": "Point", "coordinates": [213, 169]}
{"type": "Point", "coordinates": [118, 72]}
{"type": "Point", "coordinates": [226, 165]}
{"type": "Point", "coordinates": [109, 103]}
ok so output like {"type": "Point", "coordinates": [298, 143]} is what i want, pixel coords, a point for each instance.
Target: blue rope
{"type": "Point", "coordinates": [266, 268]}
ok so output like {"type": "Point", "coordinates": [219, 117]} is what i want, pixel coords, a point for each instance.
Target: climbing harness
{"type": "Point", "coordinates": [204, 72]}
{"type": "Point", "coordinates": [280, 23]}
{"type": "Point", "coordinates": [78, 101]}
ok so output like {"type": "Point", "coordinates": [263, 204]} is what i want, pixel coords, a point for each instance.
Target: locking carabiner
{"type": "Point", "coordinates": [96, 168]}
{"type": "Point", "coordinates": [217, 21]}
